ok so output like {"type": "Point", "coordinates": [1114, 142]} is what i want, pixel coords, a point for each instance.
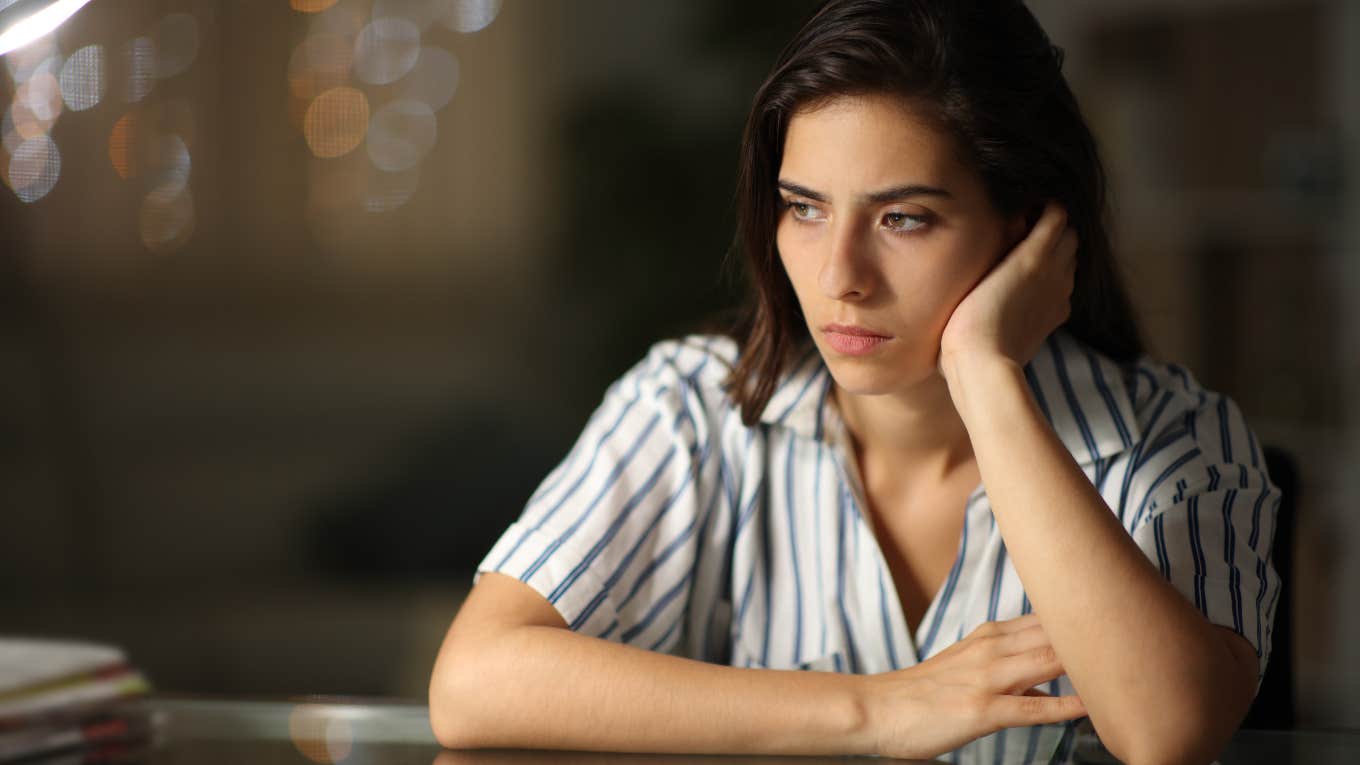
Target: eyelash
{"type": "Point", "coordinates": [920, 220]}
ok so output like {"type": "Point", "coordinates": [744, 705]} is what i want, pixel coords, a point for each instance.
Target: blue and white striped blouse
{"type": "Point", "coordinates": [673, 527]}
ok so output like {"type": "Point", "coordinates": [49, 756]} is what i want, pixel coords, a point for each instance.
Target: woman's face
{"type": "Point", "coordinates": [882, 231]}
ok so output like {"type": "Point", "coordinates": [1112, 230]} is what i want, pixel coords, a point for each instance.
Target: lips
{"type": "Point", "coordinates": [854, 331]}
{"type": "Point", "coordinates": [853, 340]}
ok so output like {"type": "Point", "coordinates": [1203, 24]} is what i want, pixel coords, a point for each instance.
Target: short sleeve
{"type": "Point", "coordinates": [609, 538]}
{"type": "Point", "coordinates": [1204, 511]}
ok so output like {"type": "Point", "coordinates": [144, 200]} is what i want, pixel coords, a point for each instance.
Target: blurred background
{"type": "Point", "coordinates": [300, 299]}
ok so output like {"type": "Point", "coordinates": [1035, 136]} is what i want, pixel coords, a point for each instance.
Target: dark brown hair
{"type": "Point", "coordinates": [986, 74]}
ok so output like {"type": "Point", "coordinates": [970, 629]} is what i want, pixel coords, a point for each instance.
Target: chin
{"type": "Point", "coordinates": [877, 374]}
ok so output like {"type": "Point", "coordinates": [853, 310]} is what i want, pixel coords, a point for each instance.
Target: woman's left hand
{"type": "Point", "coordinates": [1021, 301]}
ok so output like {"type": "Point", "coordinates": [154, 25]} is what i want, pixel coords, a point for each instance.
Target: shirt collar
{"type": "Point", "coordinates": [1080, 391]}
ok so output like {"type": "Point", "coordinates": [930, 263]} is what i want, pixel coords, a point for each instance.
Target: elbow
{"type": "Point", "coordinates": [448, 718]}
{"type": "Point", "coordinates": [1168, 738]}
{"type": "Point", "coordinates": [443, 723]}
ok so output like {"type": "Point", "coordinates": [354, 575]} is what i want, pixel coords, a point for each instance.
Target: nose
{"type": "Point", "coordinates": [847, 270]}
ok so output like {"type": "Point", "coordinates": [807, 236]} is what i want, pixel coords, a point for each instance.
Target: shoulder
{"type": "Point", "coordinates": [1170, 401]}
{"type": "Point", "coordinates": [1194, 438]}
{"type": "Point", "coordinates": [688, 372]}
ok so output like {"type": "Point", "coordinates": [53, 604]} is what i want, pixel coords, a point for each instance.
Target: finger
{"type": "Point", "coordinates": [1047, 230]}
{"type": "Point", "coordinates": [1025, 640]}
{"type": "Point", "coordinates": [991, 629]}
{"type": "Point", "coordinates": [1016, 711]}
{"type": "Point", "coordinates": [1067, 246]}
{"type": "Point", "coordinates": [1025, 670]}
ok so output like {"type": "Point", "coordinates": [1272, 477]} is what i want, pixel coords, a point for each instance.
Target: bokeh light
{"type": "Point", "coordinates": [321, 736]}
{"type": "Point", "coordinates": [40, 98]}
{"type": "Point", "coordinates": [10, 133]}
{"type": "Point", "coordinates": [468, 16]}
{"type": "Point", "coordinates": [419, 12]}
{"type": "Point", "coordinates": [23, 62]}
{"type": "Point", "coordinates": [82, 78]}
{"type": "Point", "coordinates": [386, 50]}
{"type": "Point", "coordinates": [168, 164]}
{"type": "Point", "coordinates": [336, 122]}
{"type": "Point", "coordinates": [388, 191]}
{"type": "Point", "coordinates": [434, 79]}
{"type": "Point", "coordinates": [320, 62]}
{"type": "Point", "coordinates": [175, 44]}
{"type": "Point", "coordinates": [401, 134]}
{"type": "Point", "coordinates": [123, 146]}
{"type": "Point", "coordinates": [139, 55]}
{"type": "Point", "coordinates": [26, 122]}
{"type": "Point", "coordinates": [34, 168]}
{"type": "Point", "coordinates": [311, 6]}
{"type": "Point", "coordinates": [167, 219]}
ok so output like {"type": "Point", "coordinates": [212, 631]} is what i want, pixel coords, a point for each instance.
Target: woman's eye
{"type": "Point", "coordinates": [802, 210]}
{"type": "Point", "coordinates": [903, 222]}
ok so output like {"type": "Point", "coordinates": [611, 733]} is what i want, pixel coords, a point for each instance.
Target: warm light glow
{"type": "Point", "coordinates": [39, 57]}
{"type": "Point", "coordinates": [122, 146]}
{"type": "Point", "coordinates": [41, 95]}
{"type": "Point", "coordinates": [323, 738]}
{"type": "Point", "coordinates": [336, 122]}
{"type": "Point", "coordinates": [311, 6]}
{"type": "Point", "coordinates": [320, 62]}
{"type": "Point", "coordinates": [25, 120]}
{"type": "Point", "coordinates": [28, 29]}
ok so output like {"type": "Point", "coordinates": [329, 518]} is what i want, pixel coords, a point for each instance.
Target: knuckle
{"type": "Point", "coordinates": [1045, 655]}
{"type": "Point", "coordinates": [986, 629]}
{"type": "Point", "coordinates": [1032, 706]}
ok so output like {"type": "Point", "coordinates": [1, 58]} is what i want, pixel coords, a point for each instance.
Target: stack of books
{"type": "Point", "coordinates": [73, 697]}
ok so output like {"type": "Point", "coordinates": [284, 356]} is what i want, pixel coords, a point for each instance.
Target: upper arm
{"type": "Point", "coordinates": [498, 602]}
{"type": "Point", "coordinates": [611, 539]}
{"type": "Point", "coordinates": [1202, 507]}
{"type": "Point", "coordinates": [1244, 668]}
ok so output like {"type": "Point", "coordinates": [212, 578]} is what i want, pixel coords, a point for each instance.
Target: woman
{"type": "Point", "coordinates": [933, 463]}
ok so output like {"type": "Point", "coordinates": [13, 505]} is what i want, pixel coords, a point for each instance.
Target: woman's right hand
{"type": "Point", "coordinates": [974, 687]}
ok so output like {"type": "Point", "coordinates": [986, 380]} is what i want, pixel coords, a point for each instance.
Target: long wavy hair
{"type": "Point", "coordinates": [987, 75]}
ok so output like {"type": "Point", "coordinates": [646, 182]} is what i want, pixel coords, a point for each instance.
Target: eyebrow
{"type": "Point", "coordinates": [878, 197]}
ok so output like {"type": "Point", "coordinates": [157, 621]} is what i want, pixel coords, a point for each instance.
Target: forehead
{"type": "Point", "coordinates": [867, 141]}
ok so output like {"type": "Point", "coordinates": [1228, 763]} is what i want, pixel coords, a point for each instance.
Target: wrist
{"type": "Point", "coordinates": [866, 738]}
{"type": "Point", "coordinates": [967, 372]}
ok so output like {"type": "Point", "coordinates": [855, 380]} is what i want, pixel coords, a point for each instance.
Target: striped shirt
{"type": "Point", "coordinates": [674, 527]}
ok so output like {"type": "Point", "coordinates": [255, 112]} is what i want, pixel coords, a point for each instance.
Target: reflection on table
{"type": "Point", "coordinates": [339, 731]}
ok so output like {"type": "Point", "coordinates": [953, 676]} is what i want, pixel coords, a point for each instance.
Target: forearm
{"type": "Point", "coordinates": [548, 688]}
{"type": "Point", "coordinates": [1143, 660]}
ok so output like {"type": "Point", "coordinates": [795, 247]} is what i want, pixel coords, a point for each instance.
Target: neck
{"type": "Point", "coordinates": [917, 430]}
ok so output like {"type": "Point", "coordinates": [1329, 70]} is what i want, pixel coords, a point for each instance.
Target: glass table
{"type": "Point", "coordinates": [344, 731]}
